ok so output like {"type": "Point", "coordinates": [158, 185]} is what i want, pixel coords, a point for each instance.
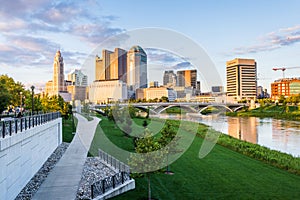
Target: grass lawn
{"type": "Point", "coordinates": [68, 129]}
{"type": "Point", "coordinates": [223, 174]}
{"type": "Point", "coordinates": [288, 112]}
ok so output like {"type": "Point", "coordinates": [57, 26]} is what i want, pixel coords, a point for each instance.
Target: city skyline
{"type": "Point", "coordinates": [37, 29]}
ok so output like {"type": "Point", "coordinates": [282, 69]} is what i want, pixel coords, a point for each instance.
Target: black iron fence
{"type": "Point", "coordinates": [113, 162]}
{"type": "Point", "coordinates": [17, 125]}
{"type": "Point", "coordinates": [104, 185]}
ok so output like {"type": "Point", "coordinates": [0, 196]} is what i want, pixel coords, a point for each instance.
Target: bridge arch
{"type": "Point", "coordinates": [216, 106]}
{"type": "Point", "coordinates": [162, 108]}
{"type": "Point", "coordinates": [99, 111]}
{"type": "Point", "coordinates": [238, 108]}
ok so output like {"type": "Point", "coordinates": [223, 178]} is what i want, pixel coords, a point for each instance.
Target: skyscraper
{"type": "Point", "coordinates": [241, 78]}
{"type": "Point", "coordinates": [58, 73]}
{"type": "Point", "coordinates": [106, 63]}
{"type": "Point", "coordinates": [136, 68]}
{"type": "Point", "coordinates": [99, 69]}
{"type": "Point", "coordinates": [118, 64]}
{"type": "Point", "coordinates": [187, 78]}
{"type": "Point", "coordinates": [112, 65]}
{"type": "Point", "coordinates": [78, 78]}
{"type": "Point", "coordinates": [116, 70]}
{"type": "Point", "coordinates": [58, 85]}
{"type": "Point", "coordinates": [169, 78]}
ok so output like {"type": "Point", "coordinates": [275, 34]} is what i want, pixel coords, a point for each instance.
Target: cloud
{"type": "Point", "coordinates": [273, 40]}
{"type": "Point", "coordinates": [183, 66]}
{"type": "Point", "coordinates": [159, 56]}
{"type": "Point", "coordinates": [94, 33]}
{"type": "Point", "coordinates": [21, 8]}
{"type": "Point", "coordinates": [28, 30]}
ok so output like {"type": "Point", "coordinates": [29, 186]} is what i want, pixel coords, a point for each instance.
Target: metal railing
{"type": "Point", "coordinates": [113, 162]}
{"type": "Point", "coordinates": [18, 125]}
{"type": "Point", "coordinates": [104, 185]}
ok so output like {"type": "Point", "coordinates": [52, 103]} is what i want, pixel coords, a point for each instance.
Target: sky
{"type": "Point", "coordinates": [32, 31]}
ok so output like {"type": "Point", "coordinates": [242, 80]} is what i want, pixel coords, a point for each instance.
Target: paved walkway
{"type": "Point", "coordinates": [63, 180]}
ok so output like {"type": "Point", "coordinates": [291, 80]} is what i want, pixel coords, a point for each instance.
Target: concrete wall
{"type": "Point", "coordinates": [23, 154]}
{"type": "Point", "coordinates": [128, 185]}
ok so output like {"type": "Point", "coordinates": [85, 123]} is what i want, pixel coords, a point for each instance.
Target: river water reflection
{"type": "Point", "coordinates": [282, 135]}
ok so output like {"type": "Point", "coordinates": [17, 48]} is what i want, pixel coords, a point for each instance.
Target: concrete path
{"type": "Point", "coordinates": [63, 180]}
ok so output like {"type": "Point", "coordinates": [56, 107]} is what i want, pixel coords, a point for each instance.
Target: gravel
{"type": "Point", "coordinates": [34, 184]}
{"type": "Point", "coordinates": [93, 170]}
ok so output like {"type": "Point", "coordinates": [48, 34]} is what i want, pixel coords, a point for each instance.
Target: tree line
{"type": "Point", "coordinates": [14, 95]}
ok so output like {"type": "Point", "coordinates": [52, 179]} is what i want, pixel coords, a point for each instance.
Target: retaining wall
{"type": "Point", "coordinates": [23, 154]}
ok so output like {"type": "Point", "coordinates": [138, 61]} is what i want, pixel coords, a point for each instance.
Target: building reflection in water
{"type": "Point", "coordinates": [243, 128]}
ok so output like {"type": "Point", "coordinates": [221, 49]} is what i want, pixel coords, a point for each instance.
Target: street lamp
{"type": "Point", "coordinates": [32, 100]}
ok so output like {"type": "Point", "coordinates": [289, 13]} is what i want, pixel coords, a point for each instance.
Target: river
{"type": "Point", "coordinates": [281, 135]}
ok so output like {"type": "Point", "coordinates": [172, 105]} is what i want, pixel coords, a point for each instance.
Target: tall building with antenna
{"type": "Point", "coordinates": [72, 89]}
{"type": "Point", "coordinates": [58, 73]}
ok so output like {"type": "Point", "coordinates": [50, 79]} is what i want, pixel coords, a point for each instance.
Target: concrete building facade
{"type": "Point", "coordinates": [286, 87]}
{"type": "Point", "coordinates": [112, 65]}
{"type": "Point", "coordinates": [77, 78]}
{"type": "Point", "coordinates": [156, 93]}
{"type": "Point", "coordinates": [136, 68]}
{"type": "Point", "coordinates": [57, 84]}
{"type": "Point", "coordinates": [187, 78]}
{"type": "Point", "coordinates": [58, 73]}
{"type": "Point", "coordinates": [119, 68]}
{"type": "Point", "coordinates": [104, 91]}
{"type": "Point", "coordinates": [169, 78]}
{"type": "Point", "coordinates": [241, 75]}
{"type": "Point", "coordinates": [72, 89]}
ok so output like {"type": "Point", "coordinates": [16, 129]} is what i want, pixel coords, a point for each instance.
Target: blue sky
{"type": "Point", "coordinates": [31, 32]}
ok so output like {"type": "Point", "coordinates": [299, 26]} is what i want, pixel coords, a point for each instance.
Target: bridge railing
{"type": "Point", "coordinates": [18, 125]}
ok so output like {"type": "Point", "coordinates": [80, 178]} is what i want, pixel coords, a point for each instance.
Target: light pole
{"type": "Point", "coordinates": [32, 99]}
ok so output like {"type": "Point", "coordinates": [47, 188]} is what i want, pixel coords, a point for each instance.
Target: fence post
{"type": "Point", "coordinates": [21, 124]}
{"type": "Point", "coordinates": [3, 129]}
{"type": "Point", "coordinates": [92, 191]}
{"type": "Point", "coordinates": [113, 179]}
{"type": "Point", "coordinates": [25, 123]}
{"type": "Point", "coordinates": [103, 188]}
{"type": "Point", "coordinates": [122, 175]}
{"type": "Point", "coordinates": [9, 127]}
{"type": "Point", "coordinates": [16, 126]}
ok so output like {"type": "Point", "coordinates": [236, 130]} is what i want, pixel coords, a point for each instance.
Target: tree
{"type": "Point", "coordinates": [127, 126]}
{"type": "Point", "coordinates": [4, 96]}
{"type": "Point", "coordinates": [145, 124]}
{"type": "Point", "coordinates": [169, 140]}
{"type": "Point", "coordinates": [148, 158]}
{"type": "Point", "coordinates": [281, 99]}
{"type": "Point", "coordinates": [10, 92]}
{"type": "Point", "coordinates": [164, 99]}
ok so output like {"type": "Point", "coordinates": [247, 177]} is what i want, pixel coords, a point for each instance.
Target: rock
{"type": "Point", "coordinates": [93, 170]}
{"type": "Point", "coordinates": [33, 185]}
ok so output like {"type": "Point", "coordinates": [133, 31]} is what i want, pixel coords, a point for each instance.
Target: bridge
{"type": "Point", "coordinates": [190, 107]}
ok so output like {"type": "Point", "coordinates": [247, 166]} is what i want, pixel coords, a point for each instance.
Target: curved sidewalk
{"type": "Point", "coordinates": [63, 180]}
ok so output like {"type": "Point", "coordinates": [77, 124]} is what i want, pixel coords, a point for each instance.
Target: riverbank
{"type": "Point", "coordinates": [287, 112]}
{"type": "Point", "coordinates": [224, 173]}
